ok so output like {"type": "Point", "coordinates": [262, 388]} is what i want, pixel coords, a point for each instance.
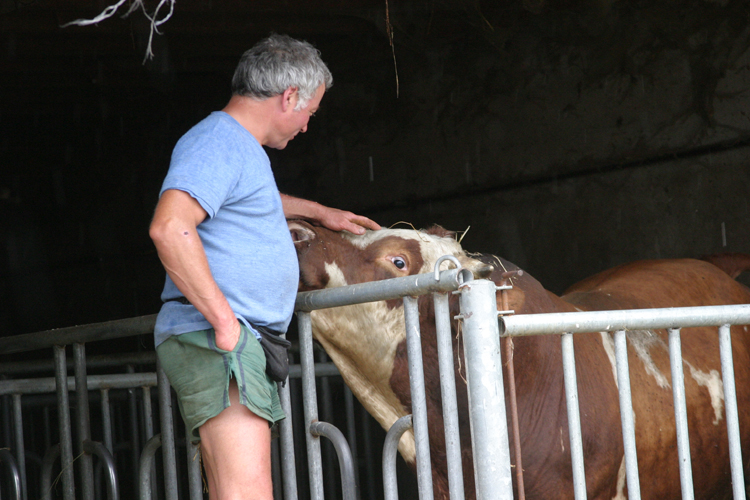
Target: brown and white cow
{"type": "Point", "coordinates": [367, 343]}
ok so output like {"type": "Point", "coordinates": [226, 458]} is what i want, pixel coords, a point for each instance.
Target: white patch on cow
{"type": "Point", "coordinates": [562, 441]}
{"type": "Point", "coordinates": [621, 477]}
{"type": "Point", "coordinates": [643, 341]}
{"type": "Point", "coordinates": [609, 347]}
{"type": "Point", "coordinates": [335, 275]}
{"type": "Point", "coordinates": [431, 247]}
{"type": "Point", "coordinates": [362, 339]}
{"type": "Point", "coordinates": [364, 359]}
{"type": "Point", "coordinates": [713, 383]}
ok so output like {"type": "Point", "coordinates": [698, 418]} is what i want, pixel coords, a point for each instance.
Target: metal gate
{"type": "Point", "coordinates": [482, 333]}
{"type": "Point", "coordinates": [479, 316]}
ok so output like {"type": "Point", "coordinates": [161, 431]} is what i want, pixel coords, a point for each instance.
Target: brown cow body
{"type": "Point", "coordinates": [367, 343]}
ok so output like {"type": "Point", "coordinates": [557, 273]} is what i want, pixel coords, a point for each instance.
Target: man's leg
{"type": "Point", "coordinates": [236, 453]}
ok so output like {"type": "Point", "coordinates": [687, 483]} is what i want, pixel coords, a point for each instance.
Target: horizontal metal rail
{"type": "Point", "coordinates": [108, 330]}
{"type": "Point", "coordinates": [122, 381]}
{"type": "Point", "coordinates": [93, 382]}
{"type": "Point", "coordinates": [632, 319]}
{"type": "Point", "coordinates": [491, 457]}
{"type": "Point", "coordinates": [620, 322]}
{"type": "Point", "coordinates": [394, 288]}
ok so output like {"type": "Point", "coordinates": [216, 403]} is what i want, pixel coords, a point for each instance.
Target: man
{"type": "Point", "coordinates": [220, 232]}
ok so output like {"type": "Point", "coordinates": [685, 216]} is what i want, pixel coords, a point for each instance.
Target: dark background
{"type": "Point", "coordinates": [569, 136]}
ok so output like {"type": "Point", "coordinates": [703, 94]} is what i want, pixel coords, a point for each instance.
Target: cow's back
{"type": "Point", "coordinates": [676, 283]}
{"type": "Point", "coordinates": [657, 283]}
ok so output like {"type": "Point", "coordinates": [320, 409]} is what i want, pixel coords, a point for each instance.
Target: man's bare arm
{"type": "Point", "coordinates": [332, 218]}
{"type": "Point", "coordinates": [175, 235]}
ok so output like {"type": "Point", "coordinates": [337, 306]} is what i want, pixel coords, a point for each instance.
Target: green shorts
{"type": "Point", "coordinates": [199, 373]}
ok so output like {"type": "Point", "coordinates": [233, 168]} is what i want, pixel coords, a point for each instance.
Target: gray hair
{"type": "Point", "coordinates": [278, 62]}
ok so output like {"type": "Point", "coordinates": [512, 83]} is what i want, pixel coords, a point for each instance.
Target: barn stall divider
{"type": "Point", "coordinates": [119, 438]}
{"type": "Point", "coordinates": [482, 333]}
{"type": "Point", "coordinates": [480, 319]}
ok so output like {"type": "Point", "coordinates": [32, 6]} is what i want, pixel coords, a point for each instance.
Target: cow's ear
{"type": "Point", "coordinates": [301, 231]}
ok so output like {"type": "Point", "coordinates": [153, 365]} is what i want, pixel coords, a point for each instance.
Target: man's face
{"type": "Point", "coordinates": [292, 121]}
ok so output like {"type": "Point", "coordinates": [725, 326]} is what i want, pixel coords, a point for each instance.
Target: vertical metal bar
{"type": "Point", "coordinates": [351, 432]}
{"type": "Point", "coordinates": [365, 423]}
{"type": "Point", "coordinates": [574, 417]}
{"type": "Point", "coordinates": [418, 397]}
{"type": "Point", "coordinates": [148, 413]}
{"type": "Point", "coordinates": [730, 400]}
{"type": "Point", "coordinates": [626, 415]}
{"type": "Point", "coordinates": [489, 431]}
{"type": "Point", "coordinates": [309, 398]}
{"type": "Point", "coordinates": [15, 482]}
{"type": "Point", "coordinates": [63, 415]}
{"type": "Point", "coordinates": [448, 392]}
{"type": "Point", "coordinates": [107, 421]}
{"type": "Point", "coordinates": [195, 483]}
{"type": "Point", "coordinates": [20, 448]}
{"type": "Point", "coordinates": [327, 448]}
{"type": "Point", "coordinates": [167, 434]}
{"type": "Point", "coordinates": [83, 421]}
{"type": "Point", "coordinates": [145, 463]}
{"type": "Point", "coordinates": [276, 479]}
{"type": "Point", "coordinates": [344, 453]}
{"type": "Point", "coordinates": [47, 462]}
{"type": "Point", "coordinates": [96, 448]}
{"type": "Point", "coordinates": [47, 427]}
{"type": "Point", "coordinates": [148, 429]}
{"type": "Point", "coordinates": [5, 419]}
{"type": "Point", "coordinates": [390, 454]}
{"type": "Point", "coordinates": [286, 440]}
{"type": "Point", "coordinates": [680, 414]}
{"type": "Point", "coordinates": [135, 438]}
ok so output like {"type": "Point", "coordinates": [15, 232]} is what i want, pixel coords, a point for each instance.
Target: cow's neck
{"type": "Point", "coordinates": [362, 340]}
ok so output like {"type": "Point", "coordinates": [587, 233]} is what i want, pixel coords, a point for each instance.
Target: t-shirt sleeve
{"type": "Point", "coordinates": [201, 167]}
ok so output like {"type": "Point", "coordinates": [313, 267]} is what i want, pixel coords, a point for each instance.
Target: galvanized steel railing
{"type": "Point", "coordinates": [76, 446]}
{"type": "Point", "coordinates": [481, 333]}
{"type": "Point", "coordinates": [671, 319]}
{"type": "Point", "coordinates": [482, 350]}
{"type": "Point", "coordinates": [484, 376]}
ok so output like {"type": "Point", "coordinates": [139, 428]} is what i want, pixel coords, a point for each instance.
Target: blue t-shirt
{"type": "Point", "coordinates": [247, 242]}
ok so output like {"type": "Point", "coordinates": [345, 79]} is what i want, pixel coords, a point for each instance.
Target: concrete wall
{"type": "Point", "coordinates": [570, 136]}
{"type": "Point", "coordinates": [586, 139]}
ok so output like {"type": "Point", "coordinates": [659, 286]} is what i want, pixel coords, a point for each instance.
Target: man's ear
{"type": "Point", "coordinates": [289, 99]}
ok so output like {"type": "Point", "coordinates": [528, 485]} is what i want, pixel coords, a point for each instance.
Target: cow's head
{"type": "Point", "coordinates": [329, 259]}
{"type": "Point", "coordinates": [362, 339]}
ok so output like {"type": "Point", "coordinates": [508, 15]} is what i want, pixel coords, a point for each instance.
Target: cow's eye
{"type": "Point", "coordinates": [399, 262]}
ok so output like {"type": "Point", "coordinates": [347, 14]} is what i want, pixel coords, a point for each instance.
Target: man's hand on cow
{"type": "Point", "coordinates": [341, 220]}
{"type": "Point", "coordinates": [332, 218]}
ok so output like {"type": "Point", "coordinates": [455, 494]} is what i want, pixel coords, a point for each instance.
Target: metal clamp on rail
{"type": "Point", "coordinates": [503, 287]}
{"type": "Point", "coordinates": [443, 259]}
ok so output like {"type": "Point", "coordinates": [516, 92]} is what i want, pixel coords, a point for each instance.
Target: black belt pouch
{"type": "Point", "coordinates": [276, 349]}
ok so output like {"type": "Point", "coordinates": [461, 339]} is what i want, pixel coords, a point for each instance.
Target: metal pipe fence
{"type": "Point", "coordinates": [619, 323]}
{"type": "Point", "coordinates": [484, 375]}
{"type": "Point", "coordinates": [59, 440]}
{"type": "Point", "coordinates": [491, 453]}
{"type": "Point", "coordinates": [128, 435]}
